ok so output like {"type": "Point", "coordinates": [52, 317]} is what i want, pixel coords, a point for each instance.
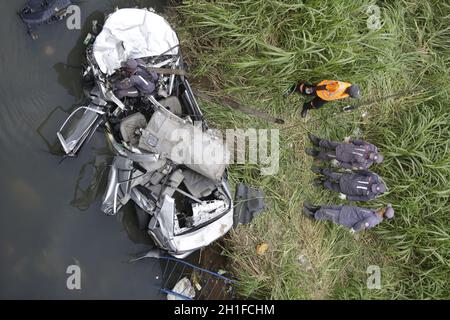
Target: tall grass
{"type": "Point", "coordinates": [256, 49]}
{"type": "Point", "coordinates": [418, 171]}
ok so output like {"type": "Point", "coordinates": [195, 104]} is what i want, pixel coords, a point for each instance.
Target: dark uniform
{"type": "Point", "coordinates": [357, 186]}
{"type": "Point", "coordinates": [140, 81]}
{"type": "Point", "coordinates": [355, 155]}
{"type": "Point", "coordinates": [354, 218]}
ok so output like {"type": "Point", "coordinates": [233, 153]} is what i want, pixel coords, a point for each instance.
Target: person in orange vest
{"type": "Point", "coordinates": [323, 92]}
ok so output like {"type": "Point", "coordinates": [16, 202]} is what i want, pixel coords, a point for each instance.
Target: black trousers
{"type": "Point", "coordinates": [308, 89]}
{"type": "Point", "coordinates": [332, 180]}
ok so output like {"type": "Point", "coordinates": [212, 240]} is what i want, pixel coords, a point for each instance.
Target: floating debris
{"type": "Point", "coordinates": [183, 289]}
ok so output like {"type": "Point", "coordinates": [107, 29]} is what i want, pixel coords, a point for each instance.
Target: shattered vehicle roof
{"type": "Point", "coordinates": [133, 33]}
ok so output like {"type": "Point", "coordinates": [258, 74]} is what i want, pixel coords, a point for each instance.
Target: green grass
{"type": "Point", "coordinates": [254, 50]}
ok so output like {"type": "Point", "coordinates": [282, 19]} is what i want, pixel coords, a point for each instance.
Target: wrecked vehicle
{"type": "Point", "coordinates": [138, 93]}
{"type": "Point", "coordinates": [39, 12]}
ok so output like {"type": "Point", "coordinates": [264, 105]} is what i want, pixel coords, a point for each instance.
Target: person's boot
{"type": "Point", "coordinates": [318, 182]}
{"type": "Point", "coordinates": [304, 113]}
{"type": "Point", "coordinates": [308, 213]}
{"type": "Point", "coordinates": [316, 170]}
{"type": "Point", "coordinates": [312, 152]}
{"type": "Point", "coordinates": [310, 207]}
{"type": "Point", "coordinates": [314, 140]}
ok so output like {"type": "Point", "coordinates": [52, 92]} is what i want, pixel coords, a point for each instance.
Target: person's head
{"type": "Point", "coordinates": [354, 91]}
{"type": "Point", "coordinates": [379, 188]}
{"type": "Point", "coordinates": [376, 157]}
{"type": "Point", "coordinates": [387, 212]}
{"type": "Point", "coordinates": [130, 66]}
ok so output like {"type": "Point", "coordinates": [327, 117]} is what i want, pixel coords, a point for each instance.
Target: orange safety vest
{"type": "Point", "coordinates": [333, 90]}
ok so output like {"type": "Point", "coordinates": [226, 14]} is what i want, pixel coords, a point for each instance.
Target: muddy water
{"type": "Point", "coordinates": [50, 211]}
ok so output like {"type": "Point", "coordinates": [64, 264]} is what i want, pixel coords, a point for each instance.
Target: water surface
{"type": "Point", "coordinates": [50, 214]}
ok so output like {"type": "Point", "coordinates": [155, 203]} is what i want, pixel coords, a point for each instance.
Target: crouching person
{"type": "Point", "coordinates": [355, 218]}
{"type": "Point", "coordinates": [323, 92]}
{"type": "Point", "coordinates": [138, 81]}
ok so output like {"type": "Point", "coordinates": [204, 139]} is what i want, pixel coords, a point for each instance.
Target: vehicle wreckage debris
{"type": "Point", "coordinates": [178, 72]}
{"type": "Point", "coordinates": [249, 203]}
{"type": "Point", "coordinates": [185, 281]}
{"type": "Point", "coordinates": [139, 94]}
{"type": "Point", "coordinates": [40, 12]}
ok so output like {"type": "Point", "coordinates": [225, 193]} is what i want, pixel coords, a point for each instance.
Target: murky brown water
{"type": "Point", "coordinates": [50, 211]}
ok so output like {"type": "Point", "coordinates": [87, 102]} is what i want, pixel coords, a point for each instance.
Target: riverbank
{"type": "Point", "coordinates": [254, 50]}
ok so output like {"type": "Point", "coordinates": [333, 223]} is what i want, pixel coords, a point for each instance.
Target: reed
{"type": "Point", "coordinates": [255, 50]}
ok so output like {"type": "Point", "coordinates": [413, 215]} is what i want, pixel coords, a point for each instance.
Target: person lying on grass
{"type": "Point", "coordinates": [323, 92]}
{"type": "Point", "coordinates": [354, 186]}
{"type": "Point", "coordinates": [351, 154]}
{"type": "Point", "coordinates": [355, 218]}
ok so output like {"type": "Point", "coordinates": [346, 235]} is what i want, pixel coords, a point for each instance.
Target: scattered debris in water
{"type": "Point", "coordinates": [185, 281]}
{"type": "Point", "coordinates": [183, 290]}
{"type": "Point", "coordinates": [40, 12]}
